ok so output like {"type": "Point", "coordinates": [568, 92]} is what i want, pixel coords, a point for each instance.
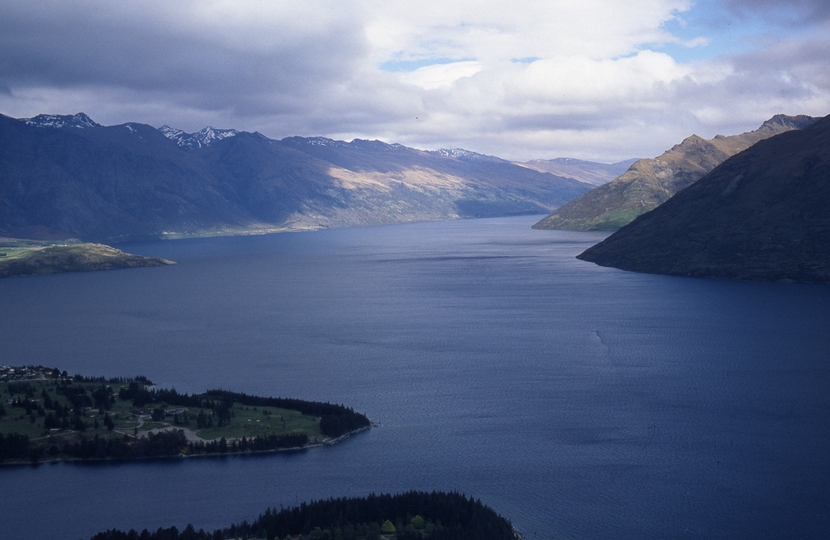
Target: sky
{"type": "Point", "coordinates": [602, 80]}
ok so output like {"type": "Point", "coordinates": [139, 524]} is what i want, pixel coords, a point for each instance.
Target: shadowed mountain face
{"type": "Point", "coordinates": [651, 182]}
{"type": "Point", "coordinates": [67, 176]}
{"type": "Point", "coordinates": [761, 215]}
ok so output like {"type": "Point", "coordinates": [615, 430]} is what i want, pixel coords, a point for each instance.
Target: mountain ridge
{"type": "Point", "coordinates": [650, 182]}
{"type": "Point", "coordinates": [111, 183]}
{"type": "Point", "coordinates": [760, 215]}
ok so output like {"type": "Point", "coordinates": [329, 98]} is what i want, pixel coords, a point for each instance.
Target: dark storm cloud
{"type": "Point", "coordinates": [84, 45]}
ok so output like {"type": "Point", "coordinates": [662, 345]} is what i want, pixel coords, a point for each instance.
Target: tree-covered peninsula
{"type": "Point", "coordinates": [414, 515]}
{"type": "Point", "coordinates": [46, 414]}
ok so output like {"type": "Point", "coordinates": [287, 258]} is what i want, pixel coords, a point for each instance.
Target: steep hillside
{"type": "Point", "coordinates": [651, 182]}
{"type": "Point", "coordinates": [761, 215]}
{"type": "Point", "coordinates": [67, 176]}
{"type": "Point", "coordinates": [103, 183]}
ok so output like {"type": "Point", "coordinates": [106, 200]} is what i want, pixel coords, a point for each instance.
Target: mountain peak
{"type": "Point", "coordinates": [59, 121]}
{"type": "Point", "coordinates": [204, 137]}
{"type": "Point", "coordinates": [793, 122]}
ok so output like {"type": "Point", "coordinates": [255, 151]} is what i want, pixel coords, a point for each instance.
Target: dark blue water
{"type": "Point", "coordinates": [578, 401]}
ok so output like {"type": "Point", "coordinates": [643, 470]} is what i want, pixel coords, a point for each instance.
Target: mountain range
{"type": "Point", "coordinates": [760, 215]}
{"type": "Point", "coordinates": [651, 182]}
{"type": "Point", "coordinates": [66, 176]}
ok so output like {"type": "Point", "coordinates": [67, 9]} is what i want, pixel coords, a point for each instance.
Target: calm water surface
{"type": "Point", "coordinates": [578, 401]}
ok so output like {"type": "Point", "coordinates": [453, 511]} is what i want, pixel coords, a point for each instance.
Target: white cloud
{"type": "Point", "coordinates": [490, 30]}
{"type": "Point", "coordinates": [441, 75]}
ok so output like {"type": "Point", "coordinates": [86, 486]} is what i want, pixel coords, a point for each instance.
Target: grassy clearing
{"type": "Point", "coordinates": [260, 421]}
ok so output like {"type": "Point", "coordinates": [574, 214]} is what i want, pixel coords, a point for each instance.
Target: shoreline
{"type": "Point", "coordinates": [316, 444]}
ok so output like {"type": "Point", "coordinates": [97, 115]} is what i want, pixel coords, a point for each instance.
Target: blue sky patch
{"type": "Point", "coordinates": [397, 66]}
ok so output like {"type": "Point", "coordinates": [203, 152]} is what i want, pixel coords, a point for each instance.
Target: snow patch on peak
{"type": "Point", "coordinates": [169, 132]}
{"type": "Point", "coordinates": [322, 141]}
{"type": "Point", "coordinates": [60, 121]}
{"type": "Point", "coordinates": [464, 155]}
{"type": "Point", "coordinates": [208, 135]}
{"type": "Point", "coordinates": [204, 137]}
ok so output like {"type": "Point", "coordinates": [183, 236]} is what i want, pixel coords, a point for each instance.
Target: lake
{"type": "Point", "coordinates": [575, 400]}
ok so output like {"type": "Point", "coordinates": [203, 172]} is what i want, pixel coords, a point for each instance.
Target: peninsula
{"type": "Point", "coordinates": [46, 414]}
{"type": "Point", "coordinates": [28, 258]}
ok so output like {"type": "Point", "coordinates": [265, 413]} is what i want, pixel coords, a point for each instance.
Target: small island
{"type": "Point", "coordinates": [48, 415]}
{"type": "Point", "coordinates": [414, 515]}
{"type": "Point", "coordinates": [29, 258]}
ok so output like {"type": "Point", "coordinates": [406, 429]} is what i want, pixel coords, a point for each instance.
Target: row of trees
{"type": "Point", "coordinates": [414, 515]}
{"type": "Point", "coordinates": [140, 379]}
{"type": "Point", "coordinates": [255, 444]}
{"type": "Point", "coordinates": [162, 444]}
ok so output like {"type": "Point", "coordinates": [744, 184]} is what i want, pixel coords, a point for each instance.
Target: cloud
{"type": "Point", "coordinates": [597, 79]}
{"type": "Point", "coordinates": [441, 75]}
{"type": "Point", "coordinates": [236, 56]}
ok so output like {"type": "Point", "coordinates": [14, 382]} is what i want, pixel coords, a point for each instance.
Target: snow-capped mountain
{"type": "Point", "coordinates": [203, 137]}
{"type": "Point", "coordinates": [58, 121]}
{"type": "Point", "coordinates": [138, 181]}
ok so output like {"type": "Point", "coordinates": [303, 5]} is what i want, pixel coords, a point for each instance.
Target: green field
{"type": "Point", "coordinates": [259, 421]}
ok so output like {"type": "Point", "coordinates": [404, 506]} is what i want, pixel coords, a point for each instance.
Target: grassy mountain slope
{"type": "Point", "coordinates": [651, 182]}
{"type": "Point", "coordinates": [761, 215]}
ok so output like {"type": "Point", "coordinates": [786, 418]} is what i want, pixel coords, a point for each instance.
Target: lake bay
{"type": "Point", "coordinates": [577, 401]}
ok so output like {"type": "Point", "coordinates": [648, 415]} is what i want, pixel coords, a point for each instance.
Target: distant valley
{"type": "Point", "coordinates": [589, 172]}
{"type": "Point", "coordinates": [69, 177]}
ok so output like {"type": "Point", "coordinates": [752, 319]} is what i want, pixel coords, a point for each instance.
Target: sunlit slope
{"type": "Point", "coordinates": [651, 182]}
